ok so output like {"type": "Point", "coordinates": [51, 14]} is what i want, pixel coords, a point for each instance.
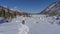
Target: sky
{"type": "Point", "coordinates": [30, 6]}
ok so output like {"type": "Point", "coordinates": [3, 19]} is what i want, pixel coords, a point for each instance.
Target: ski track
{"type": "Point", "coordinates": [37, 24]}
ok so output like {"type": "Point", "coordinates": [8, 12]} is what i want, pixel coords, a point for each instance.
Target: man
{"type": "Point", "coordinates": [23, 22]}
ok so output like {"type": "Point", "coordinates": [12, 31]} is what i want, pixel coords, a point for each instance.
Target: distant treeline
{"type": "Point", "coordinates": [6, 12]}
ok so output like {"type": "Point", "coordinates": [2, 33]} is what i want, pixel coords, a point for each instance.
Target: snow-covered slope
{"type": "Point", "coordinates": [37, 24]}
{"type": "Point", "coordinates": [52, 10]}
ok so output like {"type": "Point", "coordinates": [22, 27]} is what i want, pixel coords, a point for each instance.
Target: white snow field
{"type": "Point", "coordinates": [37, 24]}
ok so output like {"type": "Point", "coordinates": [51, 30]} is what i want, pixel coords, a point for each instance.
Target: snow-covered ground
{"type": "Point", "coordinates": [37, 24]}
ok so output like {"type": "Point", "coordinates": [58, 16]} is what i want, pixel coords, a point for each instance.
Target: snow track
{"type": "Point", "coordinates": [37, 24]}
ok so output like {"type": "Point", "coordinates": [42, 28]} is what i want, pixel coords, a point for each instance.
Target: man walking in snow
{"type": "Point", "coordinates": [24, 29]}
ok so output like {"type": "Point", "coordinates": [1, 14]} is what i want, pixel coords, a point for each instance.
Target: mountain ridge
{"type": "Point", "coordinates": [52, 10]}
{"type": "Point", "coordinates": [6, 12]}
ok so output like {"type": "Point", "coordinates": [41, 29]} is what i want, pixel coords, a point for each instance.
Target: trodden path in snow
{"type": "Point", "coordinates": [37, 24]}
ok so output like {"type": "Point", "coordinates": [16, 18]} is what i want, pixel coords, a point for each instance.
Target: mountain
{"type": "Point", "coordinates": [6, 12]}
{"type": "Point", "coordinates": [52, 10]}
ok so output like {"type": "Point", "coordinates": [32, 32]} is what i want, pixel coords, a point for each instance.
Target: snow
{"type": "Point", "coordinates": [37, 24]}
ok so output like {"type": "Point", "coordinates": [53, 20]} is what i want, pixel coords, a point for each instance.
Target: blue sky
{"type": "Point", "coordinates": [28, 5]}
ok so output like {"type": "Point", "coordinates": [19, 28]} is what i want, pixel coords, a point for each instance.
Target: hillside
{"type": "Point", "coordinates": [52, 10]}
{"type": "Point", "coordinates": [6, 12]}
